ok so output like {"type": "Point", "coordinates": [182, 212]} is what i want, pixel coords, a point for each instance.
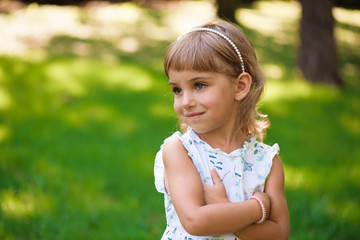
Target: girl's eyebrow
{"type": "Point", "coordinates": [199, 78]}
{"type": "Point", "coordinates": [193, 79]}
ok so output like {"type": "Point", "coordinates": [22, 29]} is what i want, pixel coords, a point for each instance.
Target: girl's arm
{"type": "Point", "coordinates": [183, 183]}
{"type": "Point", "coordinates": [277, 226]}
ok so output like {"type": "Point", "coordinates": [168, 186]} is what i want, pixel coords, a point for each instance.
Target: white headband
{"type": "Point", "coordinates": [221, 35]}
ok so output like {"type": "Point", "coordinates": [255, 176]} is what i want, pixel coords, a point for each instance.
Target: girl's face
{"type": "Point", "coordinates": [205, 101]}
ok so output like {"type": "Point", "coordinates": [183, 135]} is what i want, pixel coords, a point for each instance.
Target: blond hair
{"type": "Point", "coordinates": [207, 52]}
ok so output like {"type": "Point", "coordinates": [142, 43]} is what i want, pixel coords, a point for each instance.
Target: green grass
{"type": "Point", "coordinates": [79, 132]}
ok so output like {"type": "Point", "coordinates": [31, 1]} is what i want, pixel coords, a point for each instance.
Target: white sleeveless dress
{"type": "Point", "coordinates": [243, 172]}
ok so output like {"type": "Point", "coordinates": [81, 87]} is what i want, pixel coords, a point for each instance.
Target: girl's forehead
{"type": "Point", "coordinates": [188, 74]}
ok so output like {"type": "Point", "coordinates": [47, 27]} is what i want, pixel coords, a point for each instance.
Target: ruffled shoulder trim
{"type": "Point", "coordinates": [273, 150]}
{"type": "Point", "coordinates": [261, 152]}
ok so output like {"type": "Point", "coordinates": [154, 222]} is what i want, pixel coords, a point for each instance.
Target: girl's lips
{"type": "Point", "coordinates": [194, 115]}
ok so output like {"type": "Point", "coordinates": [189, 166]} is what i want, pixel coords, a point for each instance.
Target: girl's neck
{"type": "Point", "coordinates": [226, 141]}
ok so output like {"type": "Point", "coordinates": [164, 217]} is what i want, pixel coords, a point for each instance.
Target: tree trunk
{"type": "Point", "coordinates": [226, 9]}
{"type": "Point", "coordinates": [317, 56]}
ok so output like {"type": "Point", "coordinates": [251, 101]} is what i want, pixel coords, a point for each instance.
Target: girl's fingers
{"type": "Point", "coordinates": [215, 177]}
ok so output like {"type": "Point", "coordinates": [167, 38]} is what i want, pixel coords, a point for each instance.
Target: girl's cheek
{"type": "Point", "coordinates": [177, 107]}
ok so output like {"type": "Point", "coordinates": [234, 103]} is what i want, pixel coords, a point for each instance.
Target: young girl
{"type": "Point", "coordinates": [217, 179]}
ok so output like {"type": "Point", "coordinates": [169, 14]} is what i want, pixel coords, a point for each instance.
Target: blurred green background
{"type": "Point", "coordinates": [85, 105]}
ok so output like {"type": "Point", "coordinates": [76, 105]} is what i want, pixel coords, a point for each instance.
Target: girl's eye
{"type": "Point", "coordinates": [200, 85]}
{"type": "Point", "coordinates": [176, 90]}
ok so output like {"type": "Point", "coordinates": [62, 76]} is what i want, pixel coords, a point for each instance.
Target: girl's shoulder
{"type": "Point", "coordinates": [175, 144]}
{"type": "Point", "coordinates": [175, 135]}
{"type": "Point", "coordinates": [188, 140]}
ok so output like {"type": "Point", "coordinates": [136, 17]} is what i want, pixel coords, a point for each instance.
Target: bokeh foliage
{"type": "Point", "coordinates": [83, 112]}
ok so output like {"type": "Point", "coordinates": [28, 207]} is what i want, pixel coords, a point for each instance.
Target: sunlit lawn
{"type": "Point", "coordinates": [84, 107]}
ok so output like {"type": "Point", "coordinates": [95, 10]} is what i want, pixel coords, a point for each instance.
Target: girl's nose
{"type": "Point", "coordinates": [188, 100]}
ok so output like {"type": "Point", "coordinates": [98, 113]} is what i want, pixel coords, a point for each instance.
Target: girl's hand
{"type": "Point", "coordinates": [266, 201]}
{"type": "Point", "coordinates": [217, 192]}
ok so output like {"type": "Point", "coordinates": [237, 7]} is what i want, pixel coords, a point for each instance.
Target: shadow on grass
{"type": "Point", "coordinates": [79, 143]}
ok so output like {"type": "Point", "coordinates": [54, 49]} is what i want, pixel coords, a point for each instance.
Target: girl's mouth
{"type": "Point", "coordinates": [194, 115]}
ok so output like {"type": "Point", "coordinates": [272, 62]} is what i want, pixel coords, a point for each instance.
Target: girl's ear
{"type": "Point", "coordinates": [243, 85]}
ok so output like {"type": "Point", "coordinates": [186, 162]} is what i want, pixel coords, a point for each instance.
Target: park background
{"type": "Point", "coordinates": [85, 105]}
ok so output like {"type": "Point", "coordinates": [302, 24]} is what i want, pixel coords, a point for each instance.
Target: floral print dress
{"type": "Point", "coordinates": [243, 172]}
